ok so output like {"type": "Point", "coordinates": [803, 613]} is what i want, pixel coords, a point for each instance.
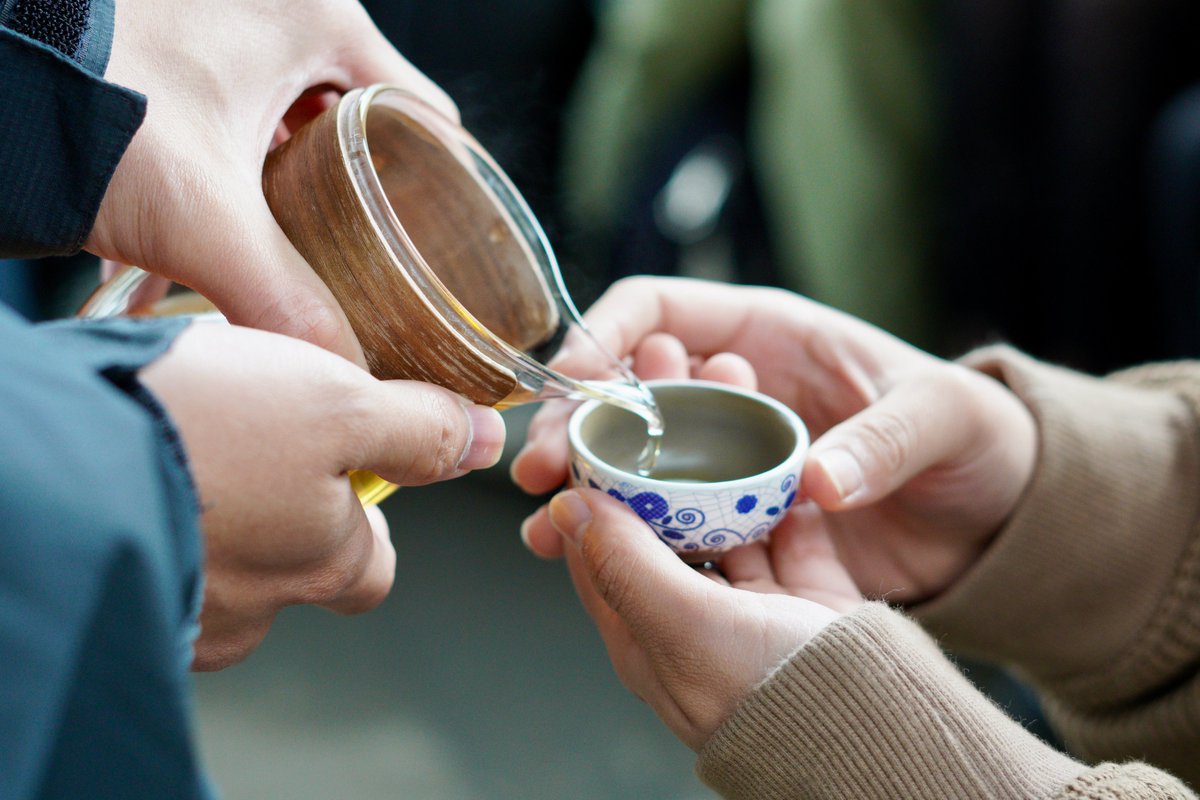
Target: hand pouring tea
{"type": "Point", "coordinates": [437, 261]}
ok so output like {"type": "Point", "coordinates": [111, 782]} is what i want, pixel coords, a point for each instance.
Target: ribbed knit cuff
{"type": "Point", "coordinates": [1125, 782]}
{"type": "Point", "coordinates": [872, 709]}
{"type": "Point", "coordinates": [1100, 558]}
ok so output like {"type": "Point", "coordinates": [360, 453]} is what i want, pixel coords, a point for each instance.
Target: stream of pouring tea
{"type": "Point", "coordinates": [637, 399]}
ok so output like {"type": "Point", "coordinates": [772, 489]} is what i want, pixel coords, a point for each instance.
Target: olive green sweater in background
{"type": "Point", "coordinates": [842, 133]}
{"type": "Point", "coordinates": [1091, 593]}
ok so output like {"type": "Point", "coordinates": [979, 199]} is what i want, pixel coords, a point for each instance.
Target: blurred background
{"type": "Point", "coordinates": [957, 172]}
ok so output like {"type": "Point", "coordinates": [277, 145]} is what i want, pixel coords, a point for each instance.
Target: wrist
{"type": "Point", "coordinates": [1013, 444]}
{"type": "Point", "coordinates": [1113, 460]}
{"type": "Point", "coordinates": [873, 696]}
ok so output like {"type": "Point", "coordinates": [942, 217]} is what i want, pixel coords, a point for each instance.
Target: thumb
{"type": "Point", "coordinates": [630, 570]}
{"type": "Point", "coordinates": [921, 423]}
{"type": "Point", "coordinates": [413, 433]}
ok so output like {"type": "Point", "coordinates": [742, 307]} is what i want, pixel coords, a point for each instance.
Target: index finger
{"type": "Point", "coordinates": [706, 316]}
{"type": "Point", "coordinates": [370, 58]}
{"type": "Point", "coordinates": [266, 283]}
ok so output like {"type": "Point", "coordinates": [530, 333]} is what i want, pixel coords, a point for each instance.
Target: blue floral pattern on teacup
{"type": "Point", "coordinates": [700, 520]}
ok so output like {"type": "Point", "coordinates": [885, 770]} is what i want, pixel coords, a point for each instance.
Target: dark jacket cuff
{"type": "Point", "coordinates": [65, 130]}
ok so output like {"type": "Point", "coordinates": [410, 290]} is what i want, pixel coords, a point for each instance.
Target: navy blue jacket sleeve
{"type": "Point", "coordinates": [63, 127]}
{"type": "Point", "coordinates": [100, 568]}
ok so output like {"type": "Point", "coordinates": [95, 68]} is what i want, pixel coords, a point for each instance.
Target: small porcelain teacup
{"type": "Point", "coordinates": [728, 471]}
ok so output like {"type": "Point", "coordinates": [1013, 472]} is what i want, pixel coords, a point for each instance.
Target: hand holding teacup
{"type": "Point", "coordinates": [775, 594]}
{"type": "Point", "coordinates": [915, 461]}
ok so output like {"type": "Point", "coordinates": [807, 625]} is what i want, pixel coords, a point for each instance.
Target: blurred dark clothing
{"type": "Point", "coordinates": [1048, 237]}
{"type": "Point", "coordinates": [509, 66]}
{"type": "Point", "coordinates": [826, 109]}
{"type": "Point", "coordinates": [1175, 220]}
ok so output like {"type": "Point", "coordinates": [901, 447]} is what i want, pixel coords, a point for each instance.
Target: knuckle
{"type": "Point", "coordinates": [632, 286]}
{"type": "Point", "coordinates": [439, 441]}
{"type": "Point", "coordinates": [889, 439]}
{"type": "Point", "coordinates": [302, 315]}
{"type": "Point", "coordinates": [609, 574]}
{"type": "Point", "coordinates": [327, 581]}
{"type": "Point", "coordinates": [213, 653]}
{"type": "Point", "coordinates": [955, 382]}
{"type": "Point", "coordinates": [351, 407]}
{"type": "Point", "coordinates": [629, 283]}
{"type": "Point", "coordinates": [365, 597]}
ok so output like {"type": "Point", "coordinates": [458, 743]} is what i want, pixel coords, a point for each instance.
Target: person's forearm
{"type": "Point", "coordinates": [872, 709]}
{"type": "Point", "coordinates": [1092, 591]}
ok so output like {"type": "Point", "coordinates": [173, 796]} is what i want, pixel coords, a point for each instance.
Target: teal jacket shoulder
{"type": "Point", "coordinates": [100, 568]}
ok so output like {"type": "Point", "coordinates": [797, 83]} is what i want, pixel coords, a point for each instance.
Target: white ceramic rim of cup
{"type": "Point", "coordinates": [797, 425]}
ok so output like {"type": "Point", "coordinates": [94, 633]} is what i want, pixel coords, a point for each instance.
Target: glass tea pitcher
{"type": "Point", "coordinates": [437, 261]}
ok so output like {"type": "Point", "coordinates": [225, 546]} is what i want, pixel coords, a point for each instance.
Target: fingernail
{"type": "Point", "coordinates": [843, 470]}
{"type": "Point", "coordinates": [487, 438]}
{"type": "Point", "coordinates": [525, 531]}
{"type": "Point", "coordinates": [512, 468]}
{"type": "Point", "coordinates": [570, 515]}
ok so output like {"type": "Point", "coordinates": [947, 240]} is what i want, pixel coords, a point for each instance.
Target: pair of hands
{"type": "Point", "coordinates": [271, 424]}
{"type": "Point", "coordinates": [915, 464]}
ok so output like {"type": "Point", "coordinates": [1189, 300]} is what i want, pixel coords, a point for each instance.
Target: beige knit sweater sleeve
{"type": "Point", "coordinates": [1091, 592]}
